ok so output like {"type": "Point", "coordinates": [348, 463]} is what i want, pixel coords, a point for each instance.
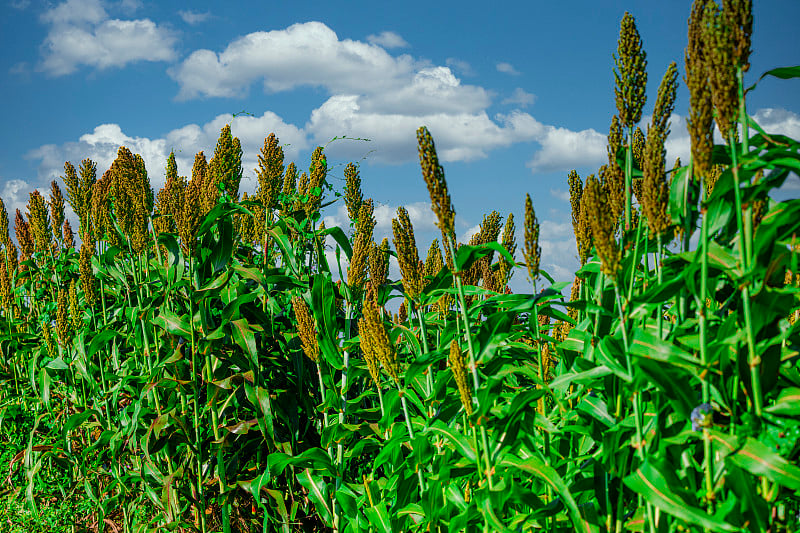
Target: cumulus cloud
{"type": "Point", "coordinates": [563, 149]}
{"type": "Point", "coordinates": [460, 66]}
{"type": "Point", "coordinates": [15, 195]}
{"type": "Point", "coordinates": [81, 33]}
{"type": "Point", "coordinates": [388, 39]}
{"type": "Point", "coordinates": [507, 68]}
{"type": "Point", "coordinates": [193, 17]}
{"type": "Point", "coordinates": [562, 195]}
{"type": "Point", "coordinates": [520, 97]}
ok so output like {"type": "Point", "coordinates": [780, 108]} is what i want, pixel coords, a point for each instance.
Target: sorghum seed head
{"type": "Point", "coordinates": [630, 74]}
{"type": "Point", "coordinates": [721, 67]}
{"type": "Point", "coordinates": [306, 328]}
{"type": "Point", "coordinates": [602, 225]}
{"type": "Point", "coordinates": [357, 270]}
{"type": "Point", "coordinates": [459, 370]}
{"type": "Point", "coordinates": [407, 253]}
{"type": "Point", "coordinates": [739, 18]}
{"type": "Point", "coordinates": [533, 253]}
{"type": "Point", "coordinates": [352, 191]}
{"type": "Point", "coordinates": [433, 174]}
{"type": "Point", "coordinates": [700, 121]}
{"type": "Point", "coordinates": [270, 172]}
{"type": "Point", "coordinates": [56, 207]}
{"type": "Point", "coordinates": [39, 221]}
{"type": "Point", "coordinates": [69, 235]}
{"type": "Point", "coordinates": [379, 263]}
{"type": "Point", "coordinates": [4, 238]}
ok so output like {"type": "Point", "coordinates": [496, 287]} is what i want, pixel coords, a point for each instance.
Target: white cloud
{"type": "Point", "coordinates": [460, 66]}
{"type": "Point", "coordinates": [507, 68]}
{"type": "Point", "coordinates": [563, 149]}
{"type": "Point", "coordinates": [560, 194]}
{"type": "Point", "coordinates": [192, 18]}
{"type": "Point", "coordinates": [81, 33]}
{"type": "Point", "coordinates": [388, 39]}
{"type": "Point", "coordinates": [15, 195]}
{"type": "Point", "coordinates": [520, 97]}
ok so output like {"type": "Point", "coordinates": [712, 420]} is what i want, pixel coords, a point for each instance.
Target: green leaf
{"type": "Point", "coordinates": [243, 335]}
{"type": "Point", "coordinates": [757, 459]}
{"type": "Point", "coordinates": [537, 467]}
{"type": "Point", "coordinates": [379, 518]}
{"type": "Point", "coordinates": [652, 484]}
{"type": "Point", "coordinates": [318, 494]}
{"type": "Point", "coordinates": [783, 73]}
{"type": "Point", "coordinates": [177, 325]}
{"type": "Point", "coordinates": [787, 403]}
{"type": "Point", "coordinates": [457, 439]}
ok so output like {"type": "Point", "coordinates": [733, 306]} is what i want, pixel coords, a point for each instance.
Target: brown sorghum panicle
{"type": "Point", "coordinates": [247, 224]}
{"type": "Point", "coordinates": [69, 235]}
{"type": "Point", "coordinates": [509, 242]}
{"type": "Point", "coordinates": [357, 270]}
{"type": "Point", "coordinates": [191, 213]}
{"type": "Point", "coordinates": [302, 190]}
{"type": "Point", "coordinates": [306, 328]}
{"type": "Point", "coordinates": [574, 295]}
{"type": "Point", "coordinates": [379, 337]}
{"type": "Point", "coordinates": [88, 177]}
{"type": "Point", "coordinates": [6, 289]}
{"type": "Point", "coordinates": [289, 186]}
{"type": "Point", "coordinates": [488, 232]}
{"type": "Point", "coordinates": [630, 74]}
{"type": "Point", "coordinates": [433, 173]}
{"type": "Point", "coordinates": [56, 208]}
{"type": "Point", "coordinates": [612, 178]}
{"type": "Point", "coordinates": [370, 354]}
{"type": "Point", "coordinates": [170, 199]}
{"type": "Point", "coordinates": [407, 253]}
{"type": "Point", "coordinates": [39, 221]}
{"type": "Point", "coordinates": [225, 167]}
{"type": "Point", "coordinates": [721, 67]}
{"type": "Point", "coordinates": [575, 192]}
{"type": "Point", "coordinates": [318, 172]}
{"type": "Point", "coordinates": [638, 157]}
{"type": "Point", "coordinates": [23, 232]}
{"type": "Point", "coordinates": [132, 197]}
{"type": "Point", "coordinates": [459, 370]}
{"type": "Point", "coordinates": [655, 190]}
{"type": "Point", "coordinates": [602, 226]}
{"type": "Point", "coordinates": [739, 18]}
{"type": "Point", "coordinates": [100, 225]}
{"type": "Point", "coordinates": [12, 259]}
{"type": "Point", "coordinates": [700, 121]}
{"type": "Point", "coordinates": [402, 313]}
{"type": "Point", "coordinates": [379, 263]}
{"type": "Point", "coordinates": [352, 191]}
{"type": "Point", "coordinates": [88, 281]}
{"type": "Point", "coordinates": [533, 253]}
{"type": "Point", "coordinates": [270, 172]}
{"type": "Point", "coordinates": [584, 236]}
{"type": "Point", "coordinates": [4, 238]}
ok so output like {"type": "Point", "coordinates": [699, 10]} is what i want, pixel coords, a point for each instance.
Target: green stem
{"type": "Point", "coordinates": [628, 177]}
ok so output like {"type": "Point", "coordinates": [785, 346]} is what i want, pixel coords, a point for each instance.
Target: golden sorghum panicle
{"type": "Point", "coordinates": [101, 208]}
{"type": "Point", "coordinates": [62, 318]}
{"type": "Point", "coordinates": [132, 197]}
{"type": "Point", "coordinates": [602, 225]}
{"type": "Point", "coordinates": [56, 208]}
{"type": "Point", "coordinates": [47, 333]}
{"type": "Point", "coordinates": [584, 236]}
{"type": "Point", "coordinates": [433, 173]}
{"type": "Point", "coordinates": [402, 313]}
{"type": "Point", "coordinates": [247, 224]}
{"type": "Point", "coordinates": [459, 370]}
{"type": "Point", "coordinates": [307, 328]}
{"type": "Point", "coordinates": [352, 191]}
{"type": "Point", "coordinates": [379, 263]}
{"type": "Point", "coordinates": [69, 235]}
{"type": "Point", "coordinates": [23, 232]}
{"type": "Point", "coordinates": [759, 206]}
{"type": "Point", "coordinates": [574, 296]}
{"type": "Point", "coordinates": [721, 67]}
{"type": "Point", "coordinates": [533, 253]}
{"type": "Point", "coordinates": [4, 238]}
{"type": "Point", "coordinates": [88, 177]}
{"type": "Point", "coordinates": [379, 337]}
{"type": "Point", "coordinates": [224, 168]}
{"type": "Point", "coordinates": [74, 306]}
{"type": "Point", "coordinates": [191, 213]}
{"type": "Point", "coordinates": [302, 191]}
{"type": "Point", "coordinates": [711, 179]}
{"type": "Point", "coordinates": [615, 139]}
{"type": "Point", "coordinates": [370, 354]}
{"type": "Point", "coordinates": [739, 18]}
{"type": "Point", "coordinates": [6, 289]}
{"type": "Point", "coordinates": [575, 193]}
{"type": "Point", "coordinates": [170, 199]}
{"type": "Point", "coordinates": [318, 172]}
{"type": "Point", "coordinates": [88, 281]}
{"type": "Point", "coordinates": [433, 259]}
{"type": "Point", "coordinates": [612, 178]}
{"type": "Point", "coordinates": [638, 156]}
{"type": "Point", "coordinates": [655, 188]}
{"type": "Point", "coordinates": [270, 172]}
{"type": "Point", "coordinates": [39, 221]}
{"type": "Point", "coordinates": [506, 270]}
{"type": "Point", "coordinates": [357, 270]}
{"type": "Point", "coordinates": [630, 74]}
{"type": "Point", "coordinates": [289, 187]}
{"type": "Point", "coordinates": [407, 253]}
{"type": "Point", "coordinates": [700, 121]}
{"type": "Point", "coordinates": [11, 259]}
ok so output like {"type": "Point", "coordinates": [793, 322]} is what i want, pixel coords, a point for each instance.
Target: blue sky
{"type": "Point", "coordinates": [515, 96]}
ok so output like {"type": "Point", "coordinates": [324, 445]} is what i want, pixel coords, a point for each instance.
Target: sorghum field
{"type": "Point", "coordinates": [198, 363]}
